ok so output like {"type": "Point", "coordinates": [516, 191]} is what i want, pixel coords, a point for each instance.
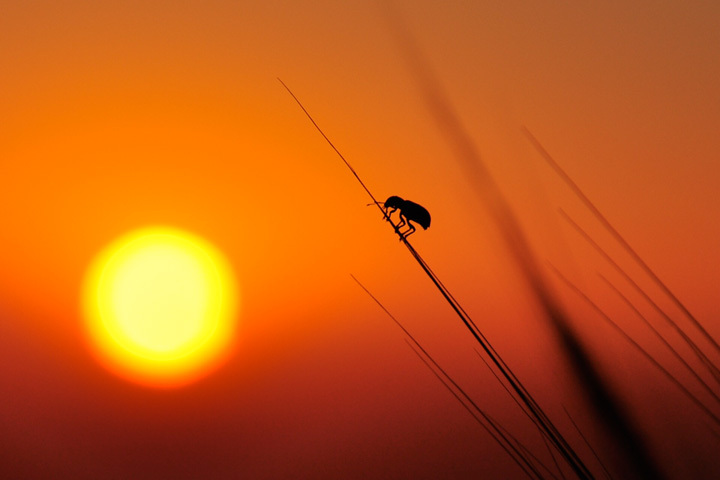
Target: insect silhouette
{"type": "Point", "coordinates": [409, 212]}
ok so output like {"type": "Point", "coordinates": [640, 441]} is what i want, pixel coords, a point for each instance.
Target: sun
{"type": "Point", "coordinates": [160, 306]}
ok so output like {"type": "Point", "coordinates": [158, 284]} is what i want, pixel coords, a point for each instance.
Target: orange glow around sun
{"type": "Point", "coordinates": [160, 306]}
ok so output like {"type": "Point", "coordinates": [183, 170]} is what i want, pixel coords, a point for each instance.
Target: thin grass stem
{"type": "Point", "coordinates": [714, 371]}
{"type": "Point", "coordinates": [491, 426]}
{"type": "Point", "coordinates": [619, 238]}
{"type": "Point", "coordinates": [589, 445]}
{"type": "Point", "coordinates": [467, 155]}
{"type": "Point", "coordinates": [637, 346]}
{"type": "Point", "coordinates": [579, 357]}
{"type": "Point", "coordinates": [667, 344]}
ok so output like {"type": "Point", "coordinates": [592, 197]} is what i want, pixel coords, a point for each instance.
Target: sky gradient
{"type": "Point", "coordinates": [121, 115]}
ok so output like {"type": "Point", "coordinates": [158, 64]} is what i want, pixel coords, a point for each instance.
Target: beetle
{"type": "Point", "coordinates": [409, 212]}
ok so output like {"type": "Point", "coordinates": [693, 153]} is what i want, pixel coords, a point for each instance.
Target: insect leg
{"type": "Point", "coordinates": [409, 231]}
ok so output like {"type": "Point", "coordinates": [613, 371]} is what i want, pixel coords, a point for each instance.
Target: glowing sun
{"type": "Point", "coordinates": [160, 306]}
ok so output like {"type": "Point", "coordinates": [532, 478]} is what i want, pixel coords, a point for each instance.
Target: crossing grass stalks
{"type": "Point", "coordinates": [515, 449]}
{"type": "Point", "coordinates": [638, 461]}
{"type": "Point", "coordinates": [606, 404]}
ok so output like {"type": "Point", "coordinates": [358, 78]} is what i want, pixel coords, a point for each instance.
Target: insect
{"type": "Point", "coordinates": [409, 212]}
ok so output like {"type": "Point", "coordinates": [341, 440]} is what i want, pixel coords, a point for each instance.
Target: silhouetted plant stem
{"type": "Point", "coordinates": [499, 434]}
{"type": "Point", "coordinates": [714, 371]}
{"type": "Point", "coordinates": [674, 351]}
{"type": "Point", "coordinates": [347, 164]}
{"type": "Point", "coordinates": [597, 392]}
{"type": "Point", "coordinates": [525, 411]}
{"type": "Point", "coordinates": [635, 345]}
{"type": "Point", "coordinates": [589, 445]}
{"type": "Point", "coordinates": [449, 124]}
{"type": "Point", "coordinates": [462, 397]}
{"type": "Point", "coordinates": [545, 423]}
{"type": "Point", "coordinates": [620, 239]}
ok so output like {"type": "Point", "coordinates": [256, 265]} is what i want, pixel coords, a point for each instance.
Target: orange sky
{"type": "Point", "coordinates": [119, 115]}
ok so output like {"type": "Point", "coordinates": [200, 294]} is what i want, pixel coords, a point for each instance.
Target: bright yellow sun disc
{"type": "Point", "coordinates": [160, 306]}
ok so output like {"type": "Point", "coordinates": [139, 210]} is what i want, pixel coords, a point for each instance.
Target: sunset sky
{"type": "Point", "coordinates": [115, 116]}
